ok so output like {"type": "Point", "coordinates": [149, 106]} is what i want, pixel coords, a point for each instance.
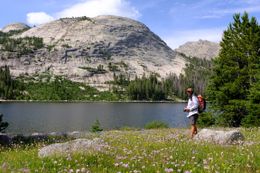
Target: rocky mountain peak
{"type": "Point", "coordinates": [15, 27]}
{"type": "Point", "coordinates": [200, 49]}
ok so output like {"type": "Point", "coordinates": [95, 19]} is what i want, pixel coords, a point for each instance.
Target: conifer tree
{"type": "Point", "coordinates": [6, 83]}
{"type": "Point", "coordinates": [234, 71]}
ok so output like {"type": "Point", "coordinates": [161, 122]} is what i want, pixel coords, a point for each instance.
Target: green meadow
{"type": "Point", "coordinates": [132, 151]}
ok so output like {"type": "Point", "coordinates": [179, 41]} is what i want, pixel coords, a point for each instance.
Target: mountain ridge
{"type": "Point", "coordinates": [93, 50]}
{"type": "Point", "coordinates": [200, 49]}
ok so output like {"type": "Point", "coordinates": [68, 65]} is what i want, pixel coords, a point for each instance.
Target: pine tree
{"type": "Point", "coordinates": [96, 127]}
{"type": "Point", "coordinates": [6, 83]}
{"type": "Point", "coordinates": [234, 70]}
{"type": "Point", "coordinates": [253, 118]}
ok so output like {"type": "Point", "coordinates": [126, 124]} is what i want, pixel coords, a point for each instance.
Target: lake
{"type": "Point", "coordinates": [64, 117]}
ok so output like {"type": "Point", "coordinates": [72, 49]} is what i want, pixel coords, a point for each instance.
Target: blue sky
{"type": "Point", "coordinates": [175, 21]}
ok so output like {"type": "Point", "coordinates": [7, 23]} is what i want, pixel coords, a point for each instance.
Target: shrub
{"type": "Point", "coordinates": [96, 127]}
{"type": "Point", "coordinates": [156, 125]}
{"type": "Point", "coordinates": [206, 119]}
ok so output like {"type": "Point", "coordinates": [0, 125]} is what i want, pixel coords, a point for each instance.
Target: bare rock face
{"type": "Point", "coordinates": [15, 27]}
{"type": "Point", "coordinates": [76, 47]}
{"type": "Point", "coordinates": [219, 137]}
{"type": "Point", "coordinates": [200, 49]}
{"type": "Point", "coordinates": [75, 146]}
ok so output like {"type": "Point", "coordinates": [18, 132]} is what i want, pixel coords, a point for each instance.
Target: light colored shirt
{"type": "Point", "coordinates": [193, 105]}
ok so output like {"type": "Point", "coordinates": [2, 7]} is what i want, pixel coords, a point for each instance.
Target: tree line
{"type": "Point", "coordinates": [196, 75]}
{"type": "Point", "coordinates": [146, 88]}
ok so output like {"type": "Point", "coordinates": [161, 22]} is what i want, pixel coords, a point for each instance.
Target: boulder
{"type": "Point", "coordinates": [220, 136]}
{"type": "Point", "coordinates": [5, 140]}
{"type": "Point", "coordinates": [75, 146]}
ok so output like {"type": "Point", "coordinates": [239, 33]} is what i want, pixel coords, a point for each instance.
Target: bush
{"type": "Point", "coordinates": [96, 127]}
{"type": "Point", "coordinates": [206, 119]}
{"type": "Point", "coordinates": [156, 125]}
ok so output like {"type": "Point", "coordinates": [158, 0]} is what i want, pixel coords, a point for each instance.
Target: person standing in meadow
{"type": "Point", "coordinates": [192, 110]}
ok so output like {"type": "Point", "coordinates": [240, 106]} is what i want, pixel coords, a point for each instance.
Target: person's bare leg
{"type": "Point", "coordinates": [192, 130]}
{"type": "Point", "coordinates": [196, 130]}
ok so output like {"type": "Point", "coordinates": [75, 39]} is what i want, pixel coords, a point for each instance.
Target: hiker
{"type": "Point", "coordinates": [192, 109]}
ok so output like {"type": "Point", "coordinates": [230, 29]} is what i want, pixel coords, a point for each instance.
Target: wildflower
{"type": "Point", "coordinates": [206, 167]}
{"type": "Point", "coordinates": [205, 162]}
{"type": "Point", "coordinates": [168, 170]}
{"type": "Point", "coordinates": [83, 169]}
{"type": "Point", "coordinates": [187, 171]}
{"type": "Point", "coordinates": [25, 170]}
{"type": "Point", "coordinates": [125, 165]}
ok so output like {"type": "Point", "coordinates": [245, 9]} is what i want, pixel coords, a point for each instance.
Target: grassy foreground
{"type": "Point", "coordinates": [164, 150]}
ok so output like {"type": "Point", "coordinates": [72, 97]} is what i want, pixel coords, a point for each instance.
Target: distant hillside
{"type": "Point", "coordinates": [200, 49]}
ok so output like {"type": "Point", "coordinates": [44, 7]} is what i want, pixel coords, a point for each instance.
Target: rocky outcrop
{"type": "Point", "coordinates": [15, 27]}
{"type": "Point", "coordinates": [5, 140]}
{"type": "Point", "coordinates": [200, 49]}
{"type": "Point", "coordinates": [220, 136]}
{"type": "Point", "coordinates": [75, 146]}
{"type": "Point", "coordinates": [10, 139]}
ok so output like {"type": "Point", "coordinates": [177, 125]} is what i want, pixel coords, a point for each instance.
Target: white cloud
{"type": "Point", "coordinates": [92, 8]}
{"type": "Point", "coordinates": [89, 8]}
{"type": "Point", "coordinates": [37, 18]}
{"type": "Point", "coordinates": [178, 38]}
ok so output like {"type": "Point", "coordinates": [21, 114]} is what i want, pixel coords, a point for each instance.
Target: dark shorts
{"type": "Point", "coordinates": [193, 119]}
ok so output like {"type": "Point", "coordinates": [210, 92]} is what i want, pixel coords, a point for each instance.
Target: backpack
{"type": "Point", "coordinates": [202, 104]}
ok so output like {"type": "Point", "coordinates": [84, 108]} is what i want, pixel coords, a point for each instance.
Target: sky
{"type": "Point", "coordinates": [174, 21]}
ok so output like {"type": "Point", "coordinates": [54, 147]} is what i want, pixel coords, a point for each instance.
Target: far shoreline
{"type": "Point", "coordinates": [89, 101]}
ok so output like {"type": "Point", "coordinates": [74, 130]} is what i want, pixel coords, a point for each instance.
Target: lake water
{"type": "Point", "coordinates": [63, 117]}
